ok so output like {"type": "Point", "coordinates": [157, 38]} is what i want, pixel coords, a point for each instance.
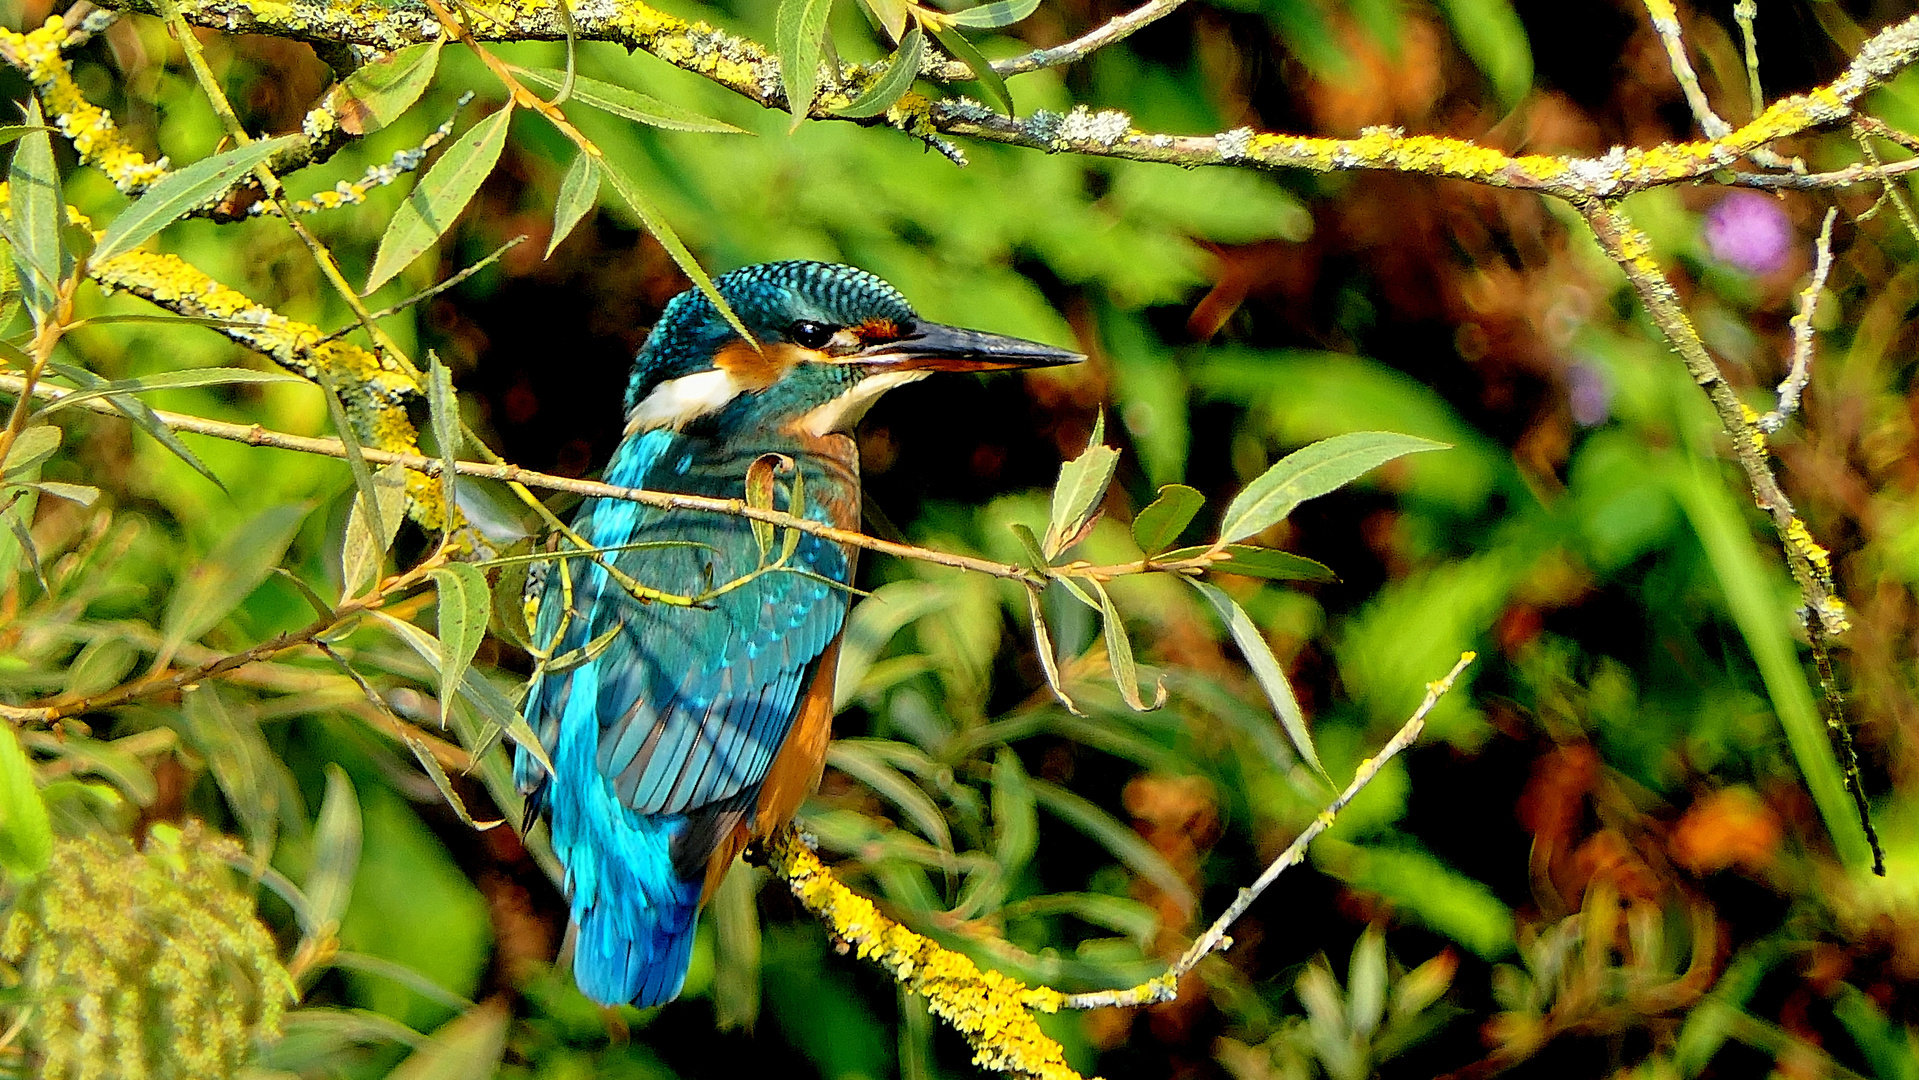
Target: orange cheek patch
{"type": "Point", "coordinates": [756, 369]}
{"type": "Point", "coordinates": [879, 331]}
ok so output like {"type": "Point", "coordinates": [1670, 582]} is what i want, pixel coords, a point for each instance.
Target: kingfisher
{"type": "Point", "coordinates": [685, 723]}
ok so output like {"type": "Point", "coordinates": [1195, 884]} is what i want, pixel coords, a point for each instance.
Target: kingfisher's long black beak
{"type": "Point", "coordinates": [933, 347]}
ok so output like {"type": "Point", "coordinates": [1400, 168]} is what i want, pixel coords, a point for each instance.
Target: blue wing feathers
{"type": "Point", "coordinates": [660, 741]}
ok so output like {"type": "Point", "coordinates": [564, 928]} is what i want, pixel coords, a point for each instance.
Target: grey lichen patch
{"type": "Point", "coordinates": [1082, 126]}
{"type": "Point", "coordinates": [1235, 144]}
{"type": "Point", "coordinates": [1601, 175]}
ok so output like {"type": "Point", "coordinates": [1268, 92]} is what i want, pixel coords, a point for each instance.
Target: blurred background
{"type": "Point", "coordinates": [1602, 859]}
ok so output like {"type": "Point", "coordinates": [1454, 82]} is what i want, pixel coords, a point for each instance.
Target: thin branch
{"type": "Point", "coordinates": [1801, 369]}
{"type": "Point", "coordinates": [1665, 22]}
{"type": "Point", "coordinates": [1826, 181]}
{"type": "Point", "coordinates": [1116, 29]}
{"type": "Point", "coordinates": [1166, 987]}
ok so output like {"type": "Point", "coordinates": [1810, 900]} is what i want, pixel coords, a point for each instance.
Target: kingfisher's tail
{"type": "Point", "coordinates": [636, 917]}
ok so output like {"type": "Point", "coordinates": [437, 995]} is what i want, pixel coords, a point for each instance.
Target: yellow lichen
{"type": "Point", "coordinates": [92, 132]}
{"type": "Point", "coordinates": [992, 1011]}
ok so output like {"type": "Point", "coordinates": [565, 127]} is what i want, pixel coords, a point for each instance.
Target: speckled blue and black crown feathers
{"type": "Point", "coordinates": [768, 297]}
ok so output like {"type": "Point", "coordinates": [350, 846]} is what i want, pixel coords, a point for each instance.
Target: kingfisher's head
{"type": "Point", "coordinates": [831, 339]}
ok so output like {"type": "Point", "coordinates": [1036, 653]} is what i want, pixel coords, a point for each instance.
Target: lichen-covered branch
{"type": "Point", "coordinates": [992, 1011]}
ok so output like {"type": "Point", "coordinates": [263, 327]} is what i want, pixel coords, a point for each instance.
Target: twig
{"type": "Point", "coordinates": [1665, 22]}
{"type": "Point", "coordinates": [430, 292]}
{"type": "Point", "coordinates": [1166, 987]}
{"type": "Point", "coordinates": [1744, 12]}
{"type": "Point", "coordinates": [1801, 369]}
{"type": "Point", "coordinates": [1826, 181]}
{"type": "Point", "coordinates": [1893, 191]}
{"type": "Point", "coordinates": [1118, 28]}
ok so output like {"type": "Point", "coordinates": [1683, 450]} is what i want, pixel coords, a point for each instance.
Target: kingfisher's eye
{"type": "Point", "coordinates": [809, 334]}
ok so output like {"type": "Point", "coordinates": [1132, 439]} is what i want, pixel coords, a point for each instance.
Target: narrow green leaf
{"type": "Point", "coordinates": [370, 528]}
{"type": "Point", "coordinates": [1310, 472]}
{"type": "Point", "coordinates": [509, 596]}
{"type": "Point", "coordinates": [9, 287]}
{"type": "Point", "coordinates": [463, 605]}
{"type": "Point", "coordinates": [17, 526]}
{"type": "Point", "coordinates": [39, 218]}
{"type": "Point", "coordinates": [355, 455]}
{"type": "Point", "coordinates": [579, 190]}
{"type": "Point", "coordinates": [336, 854]}
{"type": "Point", "coordinates": [183, 189]}
{"type": "Point", "coordinates": [142, 417]}
{"type": "Point", "coordinates": [433, 204]}
{"type": "Point", "coordinates": [31, 447]}
{"type": "Point", "coordinates": [392, 971]}
{"type": "Point", "coordinates": [467, 1048]}
{"type": "Point", "coordinates": [902, 69]}
{"type": "Point", "coordinates": [443, 410]}
{"type": "Point", "coordinates": [1366, 983]}
{"type": "Point", "coordinates": [1259, 657]}
{"type": "Point", "coordinates": [376, 94]}
{"type": "Point", "coordinates": [319, 605]}
{"type": "Point", "coordinates": [1035, 558]}
{"type": "Point", "coordinates": [737, 970]}
{"type": "Point", "coordinates": [1082, 486]}
{"type": "Point", "coordinates": [1119, 652]}
{"type": "Point", "coordinates": [630, 104]}
{"type": "Point", "coordinates": [229, 573]}
{"type": "Point", "coordinates": [491, 705]}
{"type": "Point", "coordinates": [651, 220]}
{"type": "Point", "coordinates": [1116, 837]}
{"type": "Point", "coordinates": [26, 834]}
{"type": "Point", "coordinates": [12, 133]}
{"type": "Point", "coordinates": [759, 496]}
{"type": "Point", "coordinates": [1043, 645]}
{"type": "Point", "coordinates": [890, 14]}
{"type": "Point", "coordinates": [967, 53]}
{"type": "Point", "coordinates": [1493, 35]}
{"type": "Point", "coordinates": [1015, 814]}
{"type": "Point", "coordinates": [252, 779]}
{"type": "Point", "coordinates": [994, 15]}
{"type": "Point", "coordinates": [1119, 914]}
{"type": "Point", "coordinates": [170, 380]}
{"type": "Point", "coordinates": [858, 761]}
{"type": "Point", "coordinates": [100, 666]}
{"type": "Point", "coordinates": [424, 755]}
{"type": "Point", "coordinates": [1248, 560]}
{"type": "Point", "coordinates": [1166, 517]}
{"type": "Point", "coordinates": [799, 26]}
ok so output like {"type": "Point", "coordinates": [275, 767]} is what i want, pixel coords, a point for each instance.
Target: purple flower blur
{"type": "Point", "coordinates": [1588, 393]}
{"type": "Point", "coordinates": [1749, 230]}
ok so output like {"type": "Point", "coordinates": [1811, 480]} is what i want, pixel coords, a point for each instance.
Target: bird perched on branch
{"type": "Point", "coordinates": [683, 724]}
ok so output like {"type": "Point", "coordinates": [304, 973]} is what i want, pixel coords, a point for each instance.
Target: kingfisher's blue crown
{"type": "Point", "coordinates": [769, 298]}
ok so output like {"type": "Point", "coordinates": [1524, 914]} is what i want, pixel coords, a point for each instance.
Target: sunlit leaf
{"type": "Point", "coordinates": [370, 528]}
{"type": "Point", "coordinates": [798, 29]}
{"type": "Point", "coordinates": [231, 571]}
{"type": "Point", "coordinates": [1082, 486]}
{"type": "Point", "coordinates": [336, 853]}
{"type": "Point", "coordinates": [9, 291]}
{"type": "Point", "coordinates": [1120, 840]}
{"type": "Point", "coordinates": [994, 15]}
{"type": "Point", "coordinates": [377, 93]}
{"type": "Point", "coordinates": [967, 53]}
{"type": "Point", "coordinates": [1035, 558]}
{"type": "Point", "coordinates": [1119, 652]}
{"type": "Point", "coordinates": [1366, 983]}
{"type": "Point", "coordinates": [464, 600]}
{"type": "Point", "coordinates": [39, 218]}
{"type": "Point", "coordinates": [467, 1048]}
{"type": "Point", "coordinates": [1157, 526]}
{"type": "Point", "coordinates": [436, 201]}
{"type": "Point", "coordinates": [630, 104]}
{"type": "Point", "coordinates": [31, 447]}
{"type": "Point", "coordinates": [579, 191]}
{"type": "Point", "coordinates": [735, 913]}
{"type": "Point", "coordinates": [1259, 656]}
{"type": "Point", "coordinates": [183, 189]}
{"type": "Point", "coordinates": [84, 494]}
{"type": "Point", "coordinates": [890, 14]}
{"type": "Point", "coordinates": [170, 380]}
{"type": "Point", "coordinates": [1310, 472]}
{"type": "Point", "coordinates": [1492, 34]}
{"type": "Point", "coordinates": [902, 69]}
{"type": "Point", "coordinates": [26, 834]}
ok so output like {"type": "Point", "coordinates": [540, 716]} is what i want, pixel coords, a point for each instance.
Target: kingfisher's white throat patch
{"type": "Point", "coordinates": [843, 412]}
{"type": "Point", "coordinates": [676, 403]}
